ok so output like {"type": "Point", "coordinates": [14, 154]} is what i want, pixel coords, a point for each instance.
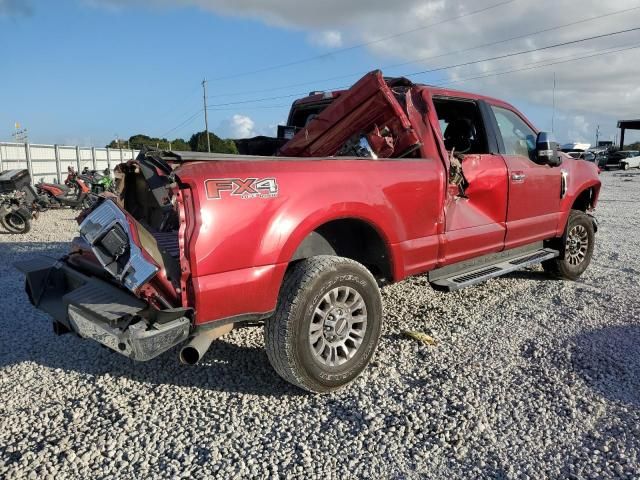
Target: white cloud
{"type": "Point", "coordinates": [327, 38]}
{"type": "Point", "coordinates": [599, 89]}
{"type": "Point", "coordinates": [576, 128]}
{"type": "Point", "coordinates": [238, 126]}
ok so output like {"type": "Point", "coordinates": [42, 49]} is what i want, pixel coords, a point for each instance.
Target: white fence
{"type": "Point", "coordinates": [50, 162]}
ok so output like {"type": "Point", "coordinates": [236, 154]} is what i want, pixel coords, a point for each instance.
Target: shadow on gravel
{"type": "Point", "coordinates": [608, 360]}
{"type": "Point", "coordinates": [27, 336]}
{"type": "Point", "coordinates": [538, 275]}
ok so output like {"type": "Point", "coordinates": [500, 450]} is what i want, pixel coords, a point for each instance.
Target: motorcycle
{"type": "Point", "coordinates": [100, 182]}
{"type": "Point", "coordinates": [75, 192]}
{"type": "Point", "coordinates": [19, 201]}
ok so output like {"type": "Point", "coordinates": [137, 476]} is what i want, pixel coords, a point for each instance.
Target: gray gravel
{"type": "Point", "coordinates": [532, 378]}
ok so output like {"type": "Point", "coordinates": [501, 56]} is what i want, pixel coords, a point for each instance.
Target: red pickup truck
{"type": "Point", "coordinates": [362, 187]}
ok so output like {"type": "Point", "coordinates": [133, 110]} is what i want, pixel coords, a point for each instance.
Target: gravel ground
{"type": "Point", "coordinates": [531, 378]}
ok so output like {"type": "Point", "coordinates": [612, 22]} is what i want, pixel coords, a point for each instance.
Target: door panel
{"type": "Point", "coordinates": [534, 201]}
{"type": "Point", "coordinates": [476, 222]}
{"type": "Point", "coordinates": [533, 207]}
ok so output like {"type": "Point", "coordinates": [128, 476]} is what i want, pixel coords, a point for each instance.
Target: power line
{"type": "Point", "coordinates": [535, 66]}
{"type": "Point", "coordinates": [522, 52]}
{"type": "Point", "coordinates": [454, 52]}
{"type": "Point", "coordinates": [190, 119]}
{"type": "Point", "coordinates": [364, 44]}
{"type": "Point", "coordinates": [517, 37]}
{"type": "Point", "coordinates": [541, 64]}
{"type": "Point", "coordinates": [448, 67]}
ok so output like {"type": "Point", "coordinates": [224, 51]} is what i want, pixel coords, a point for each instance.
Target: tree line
{"type": "Point", "coordinates": [197, 143]}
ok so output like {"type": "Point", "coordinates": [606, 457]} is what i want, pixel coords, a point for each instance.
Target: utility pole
{"type": "Point", "coordinates": [553, 112]}
{"type": "Point", "coordinates": [206, 119]}
{"type": "Point", "coordinates": [597, 135]}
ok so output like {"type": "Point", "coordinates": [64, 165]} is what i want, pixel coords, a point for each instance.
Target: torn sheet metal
{"type": "Point", "coordinates": [369, 110]}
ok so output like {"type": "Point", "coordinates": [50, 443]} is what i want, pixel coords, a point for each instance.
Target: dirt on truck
{"type": "Point", "coordinates": [362, 187]}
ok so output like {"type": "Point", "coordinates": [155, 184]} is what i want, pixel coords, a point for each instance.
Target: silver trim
{"type": "Point", "coordinates": [140, 341]}
{"type": "Point", "coordinates": [137, 271]}
{"type": "Point", "coordinates": [338, 326]}
{"type": "Point", "coordinates": [577, 245]}
{"type": "Point", "coordinates": [563, 187]}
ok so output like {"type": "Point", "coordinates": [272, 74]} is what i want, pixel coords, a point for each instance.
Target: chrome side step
{"type": "Point", "coordinates": [467, 277]}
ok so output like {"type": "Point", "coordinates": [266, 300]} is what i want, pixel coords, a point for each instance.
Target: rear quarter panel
{"type": "Point", "coordinates": [246, 243]}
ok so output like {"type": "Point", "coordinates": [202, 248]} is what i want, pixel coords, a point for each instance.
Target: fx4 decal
{"type": "Point", "coordinates": [237, 187]}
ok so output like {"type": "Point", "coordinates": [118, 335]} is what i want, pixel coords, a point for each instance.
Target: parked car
{"type": "Point", "coordinates": [623, 159]}
{"type": "Point", "coordinates": [601, 156]}
{"type": "Point", "coordinates": [366, 186]}
{"type": "Point", "coordinates": [582, 155]}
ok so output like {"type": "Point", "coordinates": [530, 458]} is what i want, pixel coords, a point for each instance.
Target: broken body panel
{"type": "Point", "coordinates": [208, 238]}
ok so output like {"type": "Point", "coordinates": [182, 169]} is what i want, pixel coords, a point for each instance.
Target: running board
{"type": "Point", "coordinates": [466, 277]}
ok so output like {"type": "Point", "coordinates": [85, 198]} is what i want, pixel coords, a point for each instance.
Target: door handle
{"type": "Point", "coordinates": [518, 176]}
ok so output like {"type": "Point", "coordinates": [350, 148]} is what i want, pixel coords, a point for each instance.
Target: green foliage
{"type": "Point", "coordinates": [139, 141]}
{"type": "Point", "coordinates": [180, 145]}
{"type": "Point", "coordinates": [633, 146]}
{"type": "Point", "coordinates": [198, 143]}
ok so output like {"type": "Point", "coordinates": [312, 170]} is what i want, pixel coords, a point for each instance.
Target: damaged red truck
{"type": "Point", "coordinates": [363, 187]}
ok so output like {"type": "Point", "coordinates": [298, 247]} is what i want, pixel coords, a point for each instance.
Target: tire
{"type": "Point", "coordinates": [320, 297]}
{"type": "Point", "coordinates": [575, 255]}
{"type": "Point", "coordinates": [14, 222]}
{"type": "Point", "coordinates": [625, 166]}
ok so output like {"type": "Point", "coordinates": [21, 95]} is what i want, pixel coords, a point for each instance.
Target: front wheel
{"type": "Point", "coordinates": [625, 166]}
{"type": "Point", "coordinates": [579, 237]}
{"type": "Point", "coordinates": [327, 323]}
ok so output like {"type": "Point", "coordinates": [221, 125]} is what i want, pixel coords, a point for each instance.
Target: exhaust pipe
{"type": "Point", "coordinates": [193, 351]}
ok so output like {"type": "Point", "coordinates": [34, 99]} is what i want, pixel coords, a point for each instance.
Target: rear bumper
{"type": "Point", "coordinates": [96, 309]}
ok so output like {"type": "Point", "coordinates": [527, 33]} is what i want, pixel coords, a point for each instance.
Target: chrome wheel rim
{"type": "Point", "coordinates": [577, 245]}
{"type": "Point", "coordinates": [338, 326]}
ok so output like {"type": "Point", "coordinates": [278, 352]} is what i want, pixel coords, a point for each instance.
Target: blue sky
{"type": "Point", "coordinates": [84, 71]}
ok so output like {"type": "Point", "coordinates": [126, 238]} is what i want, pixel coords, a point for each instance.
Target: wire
{"type": "Point", "coordinates": [252, 108]}
{"type": "Point", "coordinates": [540, 64]}
{"type": "Point", "coordinates": [190, 119]}
{"type": "Point", "coordinates": [537, 65]}
{"type": "Point", "coordinates": [364, 44]}
{"type": "Point", "coordinates": [522, 52]}
{"type": "Point", "coordinates": [181, 101]}
{"type": "Point", "coordinates": [517, 37]}
{"type": "Point", "coordinates": [447, 67]}
{"type": "Point", "coordinates": [418, 60]}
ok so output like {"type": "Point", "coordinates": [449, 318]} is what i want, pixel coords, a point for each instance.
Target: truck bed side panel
{"type": "Point", "coordinates": [401, 199]}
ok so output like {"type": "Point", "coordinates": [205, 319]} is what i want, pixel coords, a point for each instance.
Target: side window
{"type": "Point", "coordinates": [461, 125]}
{"type": "Point", "coordinates": [518, 137]}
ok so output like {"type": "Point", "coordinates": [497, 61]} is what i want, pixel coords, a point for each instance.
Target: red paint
{"type": "Point", "coordinates": [235, 248]}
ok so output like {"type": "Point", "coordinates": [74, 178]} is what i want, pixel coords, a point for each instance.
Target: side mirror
{"type": "Point", "coordinates": [547, 150]}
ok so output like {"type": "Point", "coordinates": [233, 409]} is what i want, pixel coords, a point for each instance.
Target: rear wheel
{"type": "Point", "coordinates": [625, 166]}
{"type": "Point", "coordinates": [15, 222]}
{"type": "Point", "coordinates": [327, 323]}
{"type": "Point", "coordinates": [579, 240]}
